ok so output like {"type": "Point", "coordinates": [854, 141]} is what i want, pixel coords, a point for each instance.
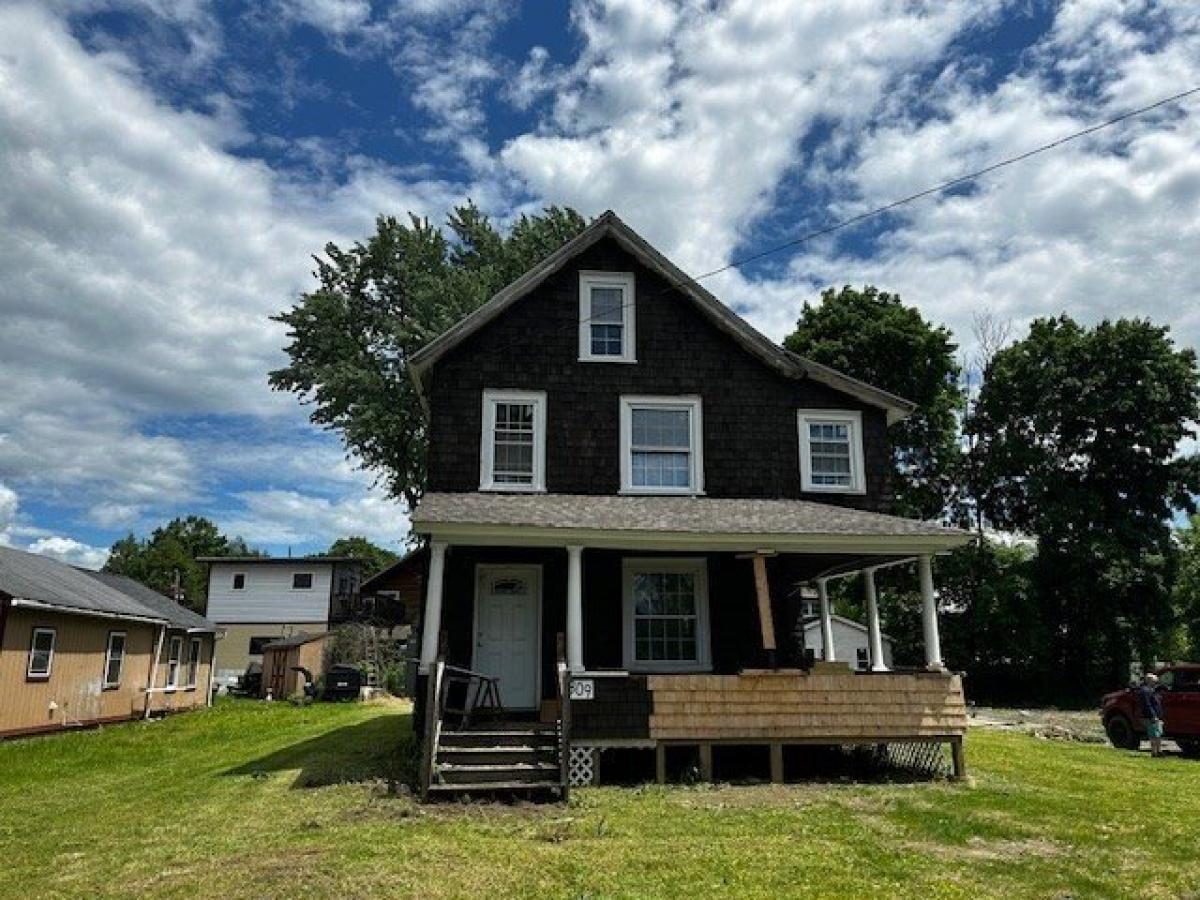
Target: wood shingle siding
{"type": "Point", "coordinates": [751, 445]}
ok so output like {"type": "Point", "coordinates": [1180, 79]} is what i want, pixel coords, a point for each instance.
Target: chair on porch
{"type": "Point", "coordinates": [480, 695]}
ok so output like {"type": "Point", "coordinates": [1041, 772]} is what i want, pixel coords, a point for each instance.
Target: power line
{"type": "Point", "coordinates": [879, 210]}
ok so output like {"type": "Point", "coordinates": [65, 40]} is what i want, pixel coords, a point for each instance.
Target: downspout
{"type": "Point", "coordinates": [162, 633]}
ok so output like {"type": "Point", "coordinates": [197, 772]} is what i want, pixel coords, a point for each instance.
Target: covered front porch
{"type": "Point", "coordinates": [659, 637]}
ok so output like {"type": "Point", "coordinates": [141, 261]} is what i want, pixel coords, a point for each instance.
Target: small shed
{"type": "Point", "coordinates": [281, 657]}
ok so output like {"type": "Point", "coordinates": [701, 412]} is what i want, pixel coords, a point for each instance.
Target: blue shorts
{"type": "Point", "coordinates": [1154, 728]}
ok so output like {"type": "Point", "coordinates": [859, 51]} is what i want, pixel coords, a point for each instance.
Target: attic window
{"type": "Point", "coordinates": [606, 317]}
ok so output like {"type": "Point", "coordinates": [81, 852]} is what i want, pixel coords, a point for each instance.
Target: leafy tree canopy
{"type": "Point", "coordinates": [873, 336]}
{"type": "Point", "coordinates": [1077, 434]}
{"type": "Point", "coordinates": [172, 548]}
{"type": "Point", "coordinates": [373, 557]}
{"type": "Point", "coordinates": [1187, 588]}
{"type": "Point", "coordinates": [379, 302]}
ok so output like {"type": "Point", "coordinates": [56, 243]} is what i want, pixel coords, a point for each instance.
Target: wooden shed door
{"type": "Point", "coordinates": [508, 604]}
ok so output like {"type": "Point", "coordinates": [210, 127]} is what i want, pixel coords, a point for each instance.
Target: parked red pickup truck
{"type": "Point", "coordinates": [1179, 687]}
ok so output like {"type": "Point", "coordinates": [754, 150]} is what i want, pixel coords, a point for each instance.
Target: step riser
{"type": "Point", "coordinates": [514, 755]}
{"type": "Point", "coordinates": [483, 779]}
{"type": "Point", "coordinates": [518, 740]}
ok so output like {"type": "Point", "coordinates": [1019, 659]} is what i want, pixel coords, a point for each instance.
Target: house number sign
{"type": "Point", "coordinates": [583, 689]}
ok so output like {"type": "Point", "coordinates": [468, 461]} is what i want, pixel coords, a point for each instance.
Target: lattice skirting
{"type": "Point", "coordinates": [926, 758]}
{"type": "Point", "coordinates": [583, 766]}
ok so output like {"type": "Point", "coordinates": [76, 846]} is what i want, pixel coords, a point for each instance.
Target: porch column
{"type": "Point", "coordinates": [874, 635]}
{"type": "Point", "coordinates": [432, 622]}
{"type": "Point", "coordinates": [826, 621]}
{"type": "Point", "coordinates": [766, 618]}
{"type": "Point", "coordinates": [575, 609]}
{"type": "Point", "coordinates": [929, 622]}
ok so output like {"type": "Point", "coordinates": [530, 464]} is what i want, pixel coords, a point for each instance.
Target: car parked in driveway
{"type": "Point", "coordinates": [1179, 687]}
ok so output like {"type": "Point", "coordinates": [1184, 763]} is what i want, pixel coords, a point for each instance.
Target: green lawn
{"type": "Point", "coordinates": [258, 800]}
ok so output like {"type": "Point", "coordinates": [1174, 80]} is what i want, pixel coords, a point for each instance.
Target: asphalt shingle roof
{"type": "Point", "coordinates": [29, 576]}
{"type": "Point", "coordinates": [699, 515]}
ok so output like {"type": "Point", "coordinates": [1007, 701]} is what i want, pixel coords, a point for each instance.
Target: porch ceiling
{"type": "Point", "coordinates": [674, 523]}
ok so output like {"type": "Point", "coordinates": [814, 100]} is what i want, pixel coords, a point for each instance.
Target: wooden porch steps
{"type": "Point", "coordinates": [498, 759]}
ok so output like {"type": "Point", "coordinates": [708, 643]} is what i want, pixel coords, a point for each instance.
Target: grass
{"type": "Point", "coordinates": [265, 800]}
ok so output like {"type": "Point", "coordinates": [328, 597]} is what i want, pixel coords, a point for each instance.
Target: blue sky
{"type": "Point", "coordinates": [168, 167]}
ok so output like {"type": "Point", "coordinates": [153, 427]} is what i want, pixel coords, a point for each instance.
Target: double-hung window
{"type": "Point", "coordinates": [662, 448]}
{"type": "Point", "coordinates": [114, 659]}
{"type": "Point", "coordinates": [41, 654]}
{"type": "Point", "coordinates": [193, 666]}
{"type": "Point", "coordinates": [606, 317]}
{"type": "Point", "coordinates": [666, 615]}
{"type": "Point", "coordinates": [831, 451]}
{"type": "Point", "coordinates": [513, 445]}
{"type": "Point", "coordinates": [173, 656]}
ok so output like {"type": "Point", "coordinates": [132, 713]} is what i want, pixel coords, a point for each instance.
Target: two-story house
{"type": "Point", "coordinates": [623, 469]}
{"type": "Point", "coordinates": [259, 599]}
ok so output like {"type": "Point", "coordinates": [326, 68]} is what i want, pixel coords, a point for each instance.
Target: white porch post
{"type": "Point", "coordinates": [929, 622]}
{"type": "Point", "coordinates": [874, 635]}
{"type": "Point", "coordinates": [575, 609]}
{"type": "Point", "coordinates": [432, 623]}
{"type": "Point", "coordinates": [826, 621]}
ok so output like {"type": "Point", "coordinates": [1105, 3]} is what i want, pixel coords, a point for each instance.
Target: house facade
{"type": "Point", "coordinates": [257, 600]}
{"type": "Point", "coordinates": [623, 470]}
{"type": "Point", "coordinates": [81, 648]}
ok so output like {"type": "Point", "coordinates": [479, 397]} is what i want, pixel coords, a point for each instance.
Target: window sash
{"type": "Point", "coordinates": [661, 450]}
{"type": "Point", "coordinates": [193, 662]}
{"type": "Point", "coordinates": [41, 653]}
{"type": "Point", "coordinates": [666, 615]}
{"type": "Point", "coordinates": [302, 581]}
{"type": "Point", "coordinates": [831, 451]}
{"type": "Point", "coordinates": [606, 316]}
{"type": "Point", "coordinates": [513, 443]}
{"type": "Point", "coordinates": [174, 652]}
{"type": "Point", "coordinates": [114, 655]}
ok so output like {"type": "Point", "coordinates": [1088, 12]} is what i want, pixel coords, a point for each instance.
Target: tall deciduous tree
{"type": "Point", "coordinates": [1187, 587]}
{"type": "Point", "coordinates": [173, 549]}
{"type": "Point", "coordinates": [1077, 434]}
{"type": "Point", "coordinates": [873, 336]}
{"type": "Point", "coordinates": [379, 302]}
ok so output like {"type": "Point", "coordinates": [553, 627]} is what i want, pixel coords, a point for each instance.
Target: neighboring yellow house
{"type": "Point", "coordinates": [83, 648]}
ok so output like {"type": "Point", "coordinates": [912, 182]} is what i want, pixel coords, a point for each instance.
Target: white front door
{"type": "Point", "coordinates": [508, 602]}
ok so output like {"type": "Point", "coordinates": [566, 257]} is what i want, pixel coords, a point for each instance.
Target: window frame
{"type": "Point", "coordinates": [31, 675]}
{"type": "Point", "coordinates": [195, 649]}
{"type": "Point", "coordinates": [588, 279]}
{"type": "Point", "coordinates": [695, 407]}
{"type": "Point", "coordinates": [234, 586]}
{"type": "Point", "coordinates": [642, 565]}
{"type": "Point", "coordinates": [862, 659]}
{"type": "Point", "coordinates": [487, 440]}
{"type": "Point", "coordinates": [108, 660]}
{"type": "Point", "coordinates": [858, 474]}
{"type": "Point", "coordinates": [312, 581]}
{"type": "Point", "coordinates": [174, 661]}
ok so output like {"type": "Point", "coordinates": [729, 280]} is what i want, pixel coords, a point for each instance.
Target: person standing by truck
{"type": "Point", "coordinates": [1151, 708]}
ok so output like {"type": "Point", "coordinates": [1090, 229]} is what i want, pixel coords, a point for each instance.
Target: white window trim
{"type": "Point", "coordinates": [174, 660]}
{"type": "Point", "coordinates": [697, 566]}
{"type": "Point", "coordinates": [108, 658]}
{"type": "Point", "coordinates": [196, 647]}
{"type": "Point", "coordinates": [696, 455]}
{"type": "Point", "coordinates": [41, 676]}
{"type": "Point", "coordinates": [312, 581]}
{"type": "Point", "coordinates": [487, 444]}
{"type": "Point", "coordinates": [233, 585]}
{"type": "Point", "coordinates": [624, 281]}
{"type": "Point", "coordinates": [853, 418]}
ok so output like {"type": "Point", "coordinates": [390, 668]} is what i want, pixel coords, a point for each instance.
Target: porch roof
{"type": "Point", "coordinates": [687, 522]}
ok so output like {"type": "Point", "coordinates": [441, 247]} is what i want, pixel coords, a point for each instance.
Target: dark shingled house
{"type": "Point", "coordinates": [626, 484]}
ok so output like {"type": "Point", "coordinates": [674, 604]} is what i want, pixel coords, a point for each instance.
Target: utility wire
{"type": "Point", "coordinates": [945, 185]}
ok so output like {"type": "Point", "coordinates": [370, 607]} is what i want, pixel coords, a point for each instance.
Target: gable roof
{"type": "Point", "coordinates": [31, 579]}
{"type": "Point", "coordinates": [785, 362]}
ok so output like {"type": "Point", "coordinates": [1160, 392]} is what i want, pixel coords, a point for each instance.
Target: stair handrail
{"type": "Point", "coordinates": [563, 683]}
{"type": "Point", "coordinates": [433, 724]}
